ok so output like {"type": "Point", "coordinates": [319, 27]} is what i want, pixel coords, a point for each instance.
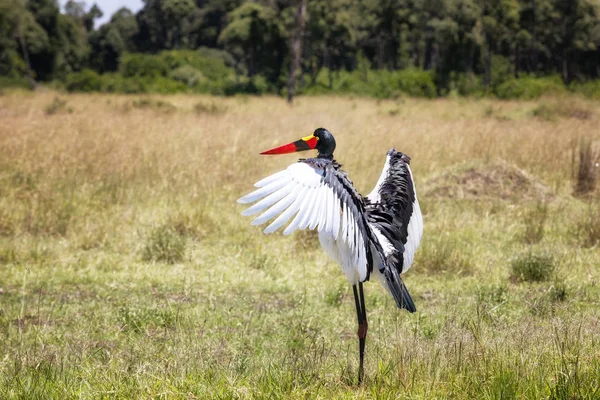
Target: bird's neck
{"type": "Point", "coordinates": [325, 156]}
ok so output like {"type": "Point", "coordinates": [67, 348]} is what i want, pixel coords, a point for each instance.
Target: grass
{"type": "Point", "coordinates": [533, 267]}
{"type": "Point", "coordinates": [126, 270]}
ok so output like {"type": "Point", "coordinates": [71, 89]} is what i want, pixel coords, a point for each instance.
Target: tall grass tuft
{"type": "Point", "coordinates": [445, 254]}
{"type": "Point", "coordinates": [149, 104]}
{"type": "Point", "coordinates": [588, 228]}
{"type": "Point", "coordinates": [587, 168]}
{"type": "Point", "coordinates": [164, 244]}
{"type": "Point", "coordinates": [558, 292]}
{"type": "Point", "coordinates": [57, 105]}
{"type": "Point", "coordinates": [535, 221]}
{"type": "Point", "coordinates": [209, 108]}
{"type": "Point", "coordinates": [533, 267]}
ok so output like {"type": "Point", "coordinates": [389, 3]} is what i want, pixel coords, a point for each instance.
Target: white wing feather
{"type": "Point", "coordinates": [300, 192]}
{"type": "Point", "coordinates": [415, 230]}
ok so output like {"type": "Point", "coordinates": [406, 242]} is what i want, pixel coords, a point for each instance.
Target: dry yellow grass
{"type": "Point", "coordinates": [127, 271]}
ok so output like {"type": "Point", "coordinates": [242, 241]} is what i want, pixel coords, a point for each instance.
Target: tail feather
{"type": "Point", "coordinates": [399, 290]}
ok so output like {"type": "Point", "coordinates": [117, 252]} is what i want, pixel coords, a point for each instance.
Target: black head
{"type": "Point", "coordinates": [325, 143]}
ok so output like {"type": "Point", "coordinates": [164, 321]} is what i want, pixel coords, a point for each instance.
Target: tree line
{"type": "Point", "coordinates": [463, 45]}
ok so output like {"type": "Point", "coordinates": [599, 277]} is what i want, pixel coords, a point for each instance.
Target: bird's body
{"type": "Point", "coordinates": [374, 235]}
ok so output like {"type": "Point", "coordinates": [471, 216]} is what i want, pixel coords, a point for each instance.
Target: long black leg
{"type": "Point", "coordinates": [361, 314]}
{"type": "Point", "coordinates": [363, 327]}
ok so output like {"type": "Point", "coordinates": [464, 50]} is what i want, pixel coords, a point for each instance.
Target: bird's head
{"type": "Point", "coordinates": [321, 140]}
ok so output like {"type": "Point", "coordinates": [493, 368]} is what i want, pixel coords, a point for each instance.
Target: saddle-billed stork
{"type": "Point", "coordinates": [374, 235]}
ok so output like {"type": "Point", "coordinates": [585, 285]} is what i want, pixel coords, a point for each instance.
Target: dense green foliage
{"type": "Point", "coordinates": [509, 48]}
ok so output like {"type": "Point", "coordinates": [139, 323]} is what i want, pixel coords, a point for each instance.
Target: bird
{"type": "Point", "coordinates": [368, 236]}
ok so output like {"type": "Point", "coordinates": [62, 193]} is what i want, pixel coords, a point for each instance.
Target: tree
{"type": "Point", "coordinates": [296, 48]}
{"type": "Point", "coordinates": [91, 16]}
{"type": "Point", "coordinates": [254, 32]}
{"type": "Point", "coordinates": [75, 9]}
{"type": "Point", "coordinates": [331, 36]}
{"type": "Point", "coordinates": [112, 40]}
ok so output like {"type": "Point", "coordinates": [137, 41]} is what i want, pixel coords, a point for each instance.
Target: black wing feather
{"type": "Point", "coordinates": [391, 215]}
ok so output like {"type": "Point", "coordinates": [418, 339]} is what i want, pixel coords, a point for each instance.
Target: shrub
{"type": "Point", "coordinates": [380, 84]}
{"type": "Point", "coordinates": [83, 81]}
{"type": "Point", "coordinates": [210, 63]}
{"type": "Point", "coordinates": [14, 82]}
{"type": "Point", "coordinates": [502, 71]}
{"type": "Point", "coordinates": [144, 65]}
{"type": "Point", "coordinates": [255, 85]}
{"type": "Point", "coordinates": [164, 244]}
{"type": "Point", "coordinates": [533, 267]}
{"type": "Point", "coordinates": [465, 84]}
{"type": "Point", "coordinates": [187, 75]}
{"type": "Point", "coordinates": [590, 89]}
{"type": "Point", "coordinates": [415, 82]}
{"type": "Point", "coordinates": [116, 83]}
{"type": "Point", "coordinates": [411, 82]}
{"type": "Point", "coordinates": [163, 85]}
{"type": "Point", "coordinates": [529, 87]}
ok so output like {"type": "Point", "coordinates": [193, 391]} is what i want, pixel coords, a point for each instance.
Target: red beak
{"type": "Point", "coordinates": [306, 143]}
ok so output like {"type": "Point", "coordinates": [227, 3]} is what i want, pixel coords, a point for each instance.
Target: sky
{"type": "Point", "coordinates": [109, 7]}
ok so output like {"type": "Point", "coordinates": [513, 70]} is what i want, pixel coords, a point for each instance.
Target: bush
{"type": "Point", "coordinates": [415, 82]}
{"type": "Point", "coordinates": [212, 68]}
{"type": "Point", "coordinates": [164, 86]}
{"type": "Point", "coordinates": [14, 82]}
{"type": "Point", "coordinates": [142, 65]}
{"type": "Point", "coordinates": [533, 267]}
{"type": "Point", "coordinates": [116, 83]}
{"type": "Point", "coordinates": [187, 75]}
{"type": "Point", "coordinates": [502, 71]}
{"type": "Point", "coordinates": [380, 84]}
{"type": "Point", "coordinates": [255, 85]}
{"type": "Point", "coordinates": [528, 87]}
{"type": "Point", "coordinates": [83, 81]}
{"type": "Point", "coordinates": [590, 89]}
{"type": "Point", "coordinates": [164, 244]}
{"type": "Point", "coordinates": [465, 85]}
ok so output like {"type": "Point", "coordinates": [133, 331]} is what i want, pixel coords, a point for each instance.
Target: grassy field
{"type": "Point", "coordinates": [126, 270]}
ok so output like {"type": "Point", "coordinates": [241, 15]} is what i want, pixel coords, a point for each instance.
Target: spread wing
{"type": "Point", "coordinates": [394, 216]}
{"type": "Point", "coordinates": [315, 194]}
{"type": "Point", "coordinates": [393, 210]}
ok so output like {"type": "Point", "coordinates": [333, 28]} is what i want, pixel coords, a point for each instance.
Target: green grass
{"type": "Point", "coordinates": [126, 270]}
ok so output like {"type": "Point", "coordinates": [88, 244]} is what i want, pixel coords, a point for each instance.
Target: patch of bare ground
{"type": "Point", "coordinates": [500, 180]}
